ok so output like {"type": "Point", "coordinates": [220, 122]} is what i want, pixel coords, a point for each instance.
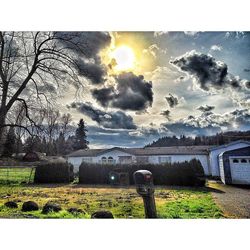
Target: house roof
{"type": "Point", "coordinates": [178, 150]}
{"type": "Point", "coordinates": [85, 152]}
{"type": "Point", "coordinates": [175, 150]}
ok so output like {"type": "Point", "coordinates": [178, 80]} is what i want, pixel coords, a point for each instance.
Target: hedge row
{"type": "Point", "coordinates": [56, 172]}
{"type": "Point", "coordinates": [182, 174]}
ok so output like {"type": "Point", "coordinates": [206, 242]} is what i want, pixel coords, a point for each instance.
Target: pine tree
{"type": "Point", "coordinates": [80, 136]}
{"type": "Point", "coordinates": [9, 146]}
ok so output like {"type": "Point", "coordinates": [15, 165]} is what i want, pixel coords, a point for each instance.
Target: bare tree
{"type": "Point", "coordinates": [32, 67]}
{"type": "Point", "coordinates": [51, 126]}
{"type": "Point", "coordinates": [66, 119]}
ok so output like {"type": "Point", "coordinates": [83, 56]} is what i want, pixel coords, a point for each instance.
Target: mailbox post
{"type": "Point", "coordinates": [145, 188]}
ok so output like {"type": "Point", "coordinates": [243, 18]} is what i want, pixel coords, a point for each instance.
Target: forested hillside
{"type": "Point", "coordinates": [218, 139]}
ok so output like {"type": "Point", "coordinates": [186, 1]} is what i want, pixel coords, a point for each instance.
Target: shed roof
{"type": "Point", "coordinates": [245, 151]}
{"type": "Point", "coordinates": [229, 144]}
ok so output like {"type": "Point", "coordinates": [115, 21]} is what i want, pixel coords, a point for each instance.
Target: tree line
{"type": "Point", "coordinates": [217, 139]}
{"type": "Point", "coordinates": [56, 137]}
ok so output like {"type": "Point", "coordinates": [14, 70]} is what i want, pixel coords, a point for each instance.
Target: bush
{"type": "Point", "coordinates": [30, 206]}
{"type": "Point", "coordinates": [55, 172]}
{"type": "Point", "coordinates": [51, 207]}
{"type": "Point", "coordinates": [180, 174]}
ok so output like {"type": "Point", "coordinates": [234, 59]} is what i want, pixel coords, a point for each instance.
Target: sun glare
{"type": "Point", "coordinates": [123, 58]}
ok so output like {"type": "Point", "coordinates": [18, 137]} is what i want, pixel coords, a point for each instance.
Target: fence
{"type": "Point", "coordinates": [16, 174]}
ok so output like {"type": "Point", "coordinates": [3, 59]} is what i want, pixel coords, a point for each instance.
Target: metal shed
{"type": "Point", "coordinates": [235, 166]}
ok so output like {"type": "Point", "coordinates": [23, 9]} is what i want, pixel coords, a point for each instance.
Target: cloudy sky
{"type": "Point", "coordinates": [139, 86]}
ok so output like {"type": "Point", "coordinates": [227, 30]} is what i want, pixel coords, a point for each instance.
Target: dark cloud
{"type": "Point", "coordinates": [247, 84]}
{"type": "Point", "coordinates": [246, 70]}
{"type": "Point", "coordinates": [206, 108]}
{"type": "Point", "coordinates": [166, 114]}
{"type": "Point", "coordinates": [130, 93]}
{"type": "Point", "coordinates": [94, 71]}
{"type": "Point", "coordinates": [112, 120]}
{"type": "Point", "coordinates": [208, 72]}
{"type": "Point", "coordinates": [104, 96]}
{"type": "Point", "coordinates": [172, 100]}
{"type": "Point", "coordinates": [86, 46]}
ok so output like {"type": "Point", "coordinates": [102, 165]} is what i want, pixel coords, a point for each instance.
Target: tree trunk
{"type": "Point", "coordinates": [2, 129]}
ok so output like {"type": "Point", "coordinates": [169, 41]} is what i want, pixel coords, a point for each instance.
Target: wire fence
{"type": "Point", "coordinates": [16, 174]}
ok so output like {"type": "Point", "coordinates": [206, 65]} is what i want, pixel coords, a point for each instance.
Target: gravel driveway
{"type": "Point", "coordinates": [234, 201]}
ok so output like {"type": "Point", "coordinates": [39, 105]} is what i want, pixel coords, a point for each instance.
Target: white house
{"type": "Point", "coordinates": [154, 155]}
{"type": "Point", "coordinates": [208, 155]}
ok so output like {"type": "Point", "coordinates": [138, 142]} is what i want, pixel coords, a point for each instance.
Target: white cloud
{"type": "Point", "coordinates": [191, 33]}
{"type": "Point", "coordinates": [160, 33]}
{"type": "Point", "coordinates": [216, 48]}
{"type": "Point", "coordinates": [154, 50]}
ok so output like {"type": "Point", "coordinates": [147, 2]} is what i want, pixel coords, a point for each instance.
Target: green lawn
{"type": "Point", "coordinates": [122, 202]}
{"type": "Point", "coordinates": [16, 175]}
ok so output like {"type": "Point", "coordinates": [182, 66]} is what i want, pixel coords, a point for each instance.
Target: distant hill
{"type": "Point", "coordinates": [218, 139]}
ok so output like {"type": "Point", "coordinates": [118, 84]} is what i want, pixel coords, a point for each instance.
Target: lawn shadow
{"type": "Point", "coordinates": [214, 190]}
{"type": "Point", "coordinates": [241, 186]}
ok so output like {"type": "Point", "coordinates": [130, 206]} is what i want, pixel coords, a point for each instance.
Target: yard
{"type": "Point", "coordinates": [171, 202]}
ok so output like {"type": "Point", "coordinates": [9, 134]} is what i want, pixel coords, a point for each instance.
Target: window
{"type": "Point", "coordinates": [243, 161]}
{"type": "Point", "coordinates": [111, 160]}
{"type": "Point", "coordinates": [125, 159]}
{"type": "Point", "coordinates": [164, 159]}
{"type": "Point", "coordinates": [235, 161]}
{"type": "Point", "coordinates": [87, 159]}
{"type": "Point", "coordinates": [104, 160]}
{"type": "Point", "coordinates": [142, 159]}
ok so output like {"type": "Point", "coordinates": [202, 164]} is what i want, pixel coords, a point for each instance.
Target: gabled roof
{"type": "Point", "coordinates": [175, 150]}
{"type": "Point", "coordinates": [85, 152]}
{"type": "Point", "coordinates": [245, 151]}
{"type": "Point", "coordinates": [229, 144]}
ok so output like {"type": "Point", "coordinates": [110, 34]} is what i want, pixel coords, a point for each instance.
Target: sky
{"type": "Point", "coordinates": [140, 86]}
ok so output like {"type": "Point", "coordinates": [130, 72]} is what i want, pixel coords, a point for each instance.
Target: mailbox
{"type": "Point", "coordinates": [144, 182]}
{"type": "Point", "coordinates": [145, 187]}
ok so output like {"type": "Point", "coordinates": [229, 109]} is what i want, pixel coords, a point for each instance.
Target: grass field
{"type": "Point", "coordinates": [122, 202]}
{"type": "Point", "coordinates": [16, 175]}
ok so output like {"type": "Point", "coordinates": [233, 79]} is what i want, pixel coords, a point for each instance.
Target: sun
{"type": "Point", "coordinates": [123, 58]}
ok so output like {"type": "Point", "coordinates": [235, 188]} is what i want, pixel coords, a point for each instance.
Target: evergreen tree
{"type": "Point", "coordinates": [9, 146]}
{"type": "Point", "coordinates": [80, 136]}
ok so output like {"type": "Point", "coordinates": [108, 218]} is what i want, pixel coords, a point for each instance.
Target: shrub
{"type": "Point", "coordinates": [181, 174]}
{"type": "Point", "coordinates": [29, 206]}
{"type": "Point", "coordinates": [51, 207]}
{"type": "Point", "coordinates": [54, 172]}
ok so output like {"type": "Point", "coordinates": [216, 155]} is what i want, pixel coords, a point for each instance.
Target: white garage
{"type": "Point", "coordinates": [235, 166]}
